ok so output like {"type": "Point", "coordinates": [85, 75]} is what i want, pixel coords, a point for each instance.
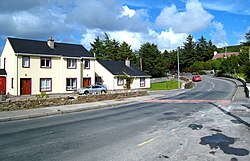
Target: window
{"type": "Point", "coordinates": [12, 82]}
{"type": "Point", "coordinates": [26, 62]}
{"type": "Point", "coordinates": [87, 64]}
{"type": "Point", "coordinates": [71, 63]}
{"type": "Point", "coordinates": [71, 84]}
{"type": "Point", "coordinates": [142, 82]}
{"type": "Point", "coordinates": [120, 81]}
{"type": "Point", "coordinates": [45, 62]}
{"type": "Point", "coordinates": [4, 63]}
{"type": "Point", "coordinates": [45, 84]}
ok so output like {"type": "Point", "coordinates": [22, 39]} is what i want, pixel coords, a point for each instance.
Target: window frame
{"type": "Point", "coordinates": [50, 86]}
{"type": "Point", "coordinates": [87, 62]}
{"type": "Point", "coordinates": [71, 89]}
{"type": "Point", "coordinates": [120, 81]}
{"type": "Point", "coordinates": [12, 83]}
{"type": "Point", "coordinates": [142, 82]}
{"type": "Point", "coordinates": [70, 61]}
{"type": "Point", "coordinates": [23, 62]}
{"type": "Point", "coordinates": [44, 59]}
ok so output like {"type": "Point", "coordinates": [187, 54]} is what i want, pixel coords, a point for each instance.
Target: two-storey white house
{"type": "Point", "coordinates": [35, 66]}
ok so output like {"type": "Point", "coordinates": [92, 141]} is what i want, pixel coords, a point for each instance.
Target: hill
{"type": "Point", "coordinates": [235, 48]}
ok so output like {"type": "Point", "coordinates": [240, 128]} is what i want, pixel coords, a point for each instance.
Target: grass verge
{"type": "Point", "coordinates": [168, 85]}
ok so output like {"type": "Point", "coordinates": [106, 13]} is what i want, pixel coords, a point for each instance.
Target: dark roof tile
{"type": "Point", "coordinates": [3, 72]}
{"type": "Point", "coordinates": [26, 46]}
{"type": "Point", "coordinates": [119, 68]}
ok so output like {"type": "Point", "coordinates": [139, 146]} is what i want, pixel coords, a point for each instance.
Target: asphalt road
{"type": "Point", "coordinates": [188, 126]}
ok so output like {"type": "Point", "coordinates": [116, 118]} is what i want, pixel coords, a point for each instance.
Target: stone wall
{"type": "Point", "coordinates": [65, 100]}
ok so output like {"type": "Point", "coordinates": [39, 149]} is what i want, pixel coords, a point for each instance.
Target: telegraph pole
{"type": "Point", "coordinates": [178, 65]}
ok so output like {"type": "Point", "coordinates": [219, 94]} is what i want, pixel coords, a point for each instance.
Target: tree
{"type": "Point", "coordinates": [247, 36]}
{"type": "Point", "coordinates": [151, 60]}
{"type": "Point", "coordinates": [169, 60]}
{"type": "Point", "coordinates": [230, 64]}
{"type": "Point", "coordinates": [210, 50]}
{"type": "Point", "coordinates": [111, 48]}
{"type": "Point", "coordinates": [189, 57]}
{"type": "Point", "coordinates": [201, 49]}
{"type": "Point", "coordinates": [98, 48]}
{"type": "Point", "coordinates": [125, 52]}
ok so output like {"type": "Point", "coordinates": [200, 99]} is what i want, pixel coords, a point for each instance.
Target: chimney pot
{"type": "Point", "coordinates": [127, 62]}
{"type": "Point", "coordinates": [51, 43]}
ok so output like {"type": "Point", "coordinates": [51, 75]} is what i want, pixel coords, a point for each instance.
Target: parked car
{"type": "Point", "coordinates": [196, 78]}
{"type": "Point", "coordinates": [92, 89]}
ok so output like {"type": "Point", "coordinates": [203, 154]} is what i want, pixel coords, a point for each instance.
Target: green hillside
{"type": "Point", "coordinates": [235, 48]}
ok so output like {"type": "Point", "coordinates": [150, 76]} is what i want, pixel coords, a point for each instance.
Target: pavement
{"type": "Point", "coordinates": [6, 116]}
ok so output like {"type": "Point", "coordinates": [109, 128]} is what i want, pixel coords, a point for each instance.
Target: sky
{"type": "Point", "coordinates": [165, 23]}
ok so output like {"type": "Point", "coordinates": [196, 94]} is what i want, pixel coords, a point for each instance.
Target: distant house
{"type": "Point", "coordinates": [224, 55]}
{"type": "Point", "coordinates": [118, 75]}
{"type": "Point", "coordinates": [35, 66]}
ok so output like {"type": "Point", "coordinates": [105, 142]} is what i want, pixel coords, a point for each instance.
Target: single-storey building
{"type": "Point", "coordinates": [224, 55]}
{"type": "Point", "coordinates": [118, 75]}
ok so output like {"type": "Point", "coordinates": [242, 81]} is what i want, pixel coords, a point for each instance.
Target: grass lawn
{"type": "Point", "coordinates": [168, 85]}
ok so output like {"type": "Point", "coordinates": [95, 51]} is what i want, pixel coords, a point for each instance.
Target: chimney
{"type": "Point", "coordinates": [51, 43]}
{"type": "Point", "coordinates": [127, 62]}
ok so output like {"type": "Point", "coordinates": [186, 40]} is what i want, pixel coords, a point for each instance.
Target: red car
{"type": "Point", "coordinates": [196, 78]}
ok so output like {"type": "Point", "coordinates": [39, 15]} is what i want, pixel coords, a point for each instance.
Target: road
{"type": "Point", "coordinates": [188, 126]}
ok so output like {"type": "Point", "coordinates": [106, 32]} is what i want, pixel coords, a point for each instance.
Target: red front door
{"type": "Point", "coordinates": [86, 82]}
{"type": "Point", "coordinates": [25, 86]}
{"type": "Point", "coordinates": [2, 85]}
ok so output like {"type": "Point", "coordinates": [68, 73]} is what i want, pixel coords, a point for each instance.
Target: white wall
{"type": "Point", "coordinates": [11, 68]}
{"type": "Point", "coordinates": [111, 81]}
{"type": "Point", "coordinates": [106, 76]}
{"type": "Point", "coordinates": [90, 73]}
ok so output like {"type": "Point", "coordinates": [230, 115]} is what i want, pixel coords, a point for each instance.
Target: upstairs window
{"type": "Point", "coordinates": [45, 62]}
{"type": "Point", "coordinates": [26, 61]}
{"type": "Point", "coordinates": [71, 63]}
{"type": "Point", "coordinates": [87, 64]}
{"type": "Point", "coordinates": [142, 82]}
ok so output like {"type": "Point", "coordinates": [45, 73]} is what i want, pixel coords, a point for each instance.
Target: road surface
{"type": "Point", "coordinates": [189, 126]}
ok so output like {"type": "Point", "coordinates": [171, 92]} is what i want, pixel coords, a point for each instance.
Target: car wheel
{"type": "Point", "coordinates": [102, 92]}
{"type": "Point", "coordinates": [86, 92]}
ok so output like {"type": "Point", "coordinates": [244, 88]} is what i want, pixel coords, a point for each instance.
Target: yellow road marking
{"type": "Point", "coordinates": [148, 141]}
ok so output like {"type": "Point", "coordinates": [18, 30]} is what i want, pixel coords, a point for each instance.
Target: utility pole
{"type": "Point", "coordinates": [249, 53]}
{"type": "Point", "coordinates": [141, 63]}
{"type": "Point", "coordinates": [178, 65]}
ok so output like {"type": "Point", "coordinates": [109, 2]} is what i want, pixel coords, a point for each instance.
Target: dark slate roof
{"type": "Point", "coordinates": [119, 68]}
{"type": "Point", "coordinates": [3, 72]}
{"type": "Point", "coordinates": [26, 46]}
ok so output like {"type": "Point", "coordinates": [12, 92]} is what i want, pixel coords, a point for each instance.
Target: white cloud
{"type": "Point", "coordinates": [127, 12]}
{"type": "Point", "coordinates": [240, 7]}
{"type": "Point", "coordinates": [106, 15]}
{"type": "Point", "coordinates": [165, 40]}
{"type": "Point", "coordinates": [195, 18]}
{"type": "Point", "coordinates": [219, 36]}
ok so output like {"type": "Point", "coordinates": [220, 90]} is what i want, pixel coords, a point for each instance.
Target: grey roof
{"type": "Point", "coordinates": [119, 68]}
{"type": "Point", "coordinates": [27, 46]}
{"type": "Point", "coordinates": [3, 72]}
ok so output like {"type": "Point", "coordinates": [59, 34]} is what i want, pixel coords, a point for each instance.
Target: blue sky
{"type": "Point", "coordinates": [165, 23]}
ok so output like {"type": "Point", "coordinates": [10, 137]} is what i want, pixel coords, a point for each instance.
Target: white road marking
{"type": "Point", "coordinates": [148, 141]}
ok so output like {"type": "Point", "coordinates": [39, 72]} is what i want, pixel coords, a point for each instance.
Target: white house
{"type": "Point", "coordinates": [118, 75]}
{"type": "Point", "coordinates": [35, 66]}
